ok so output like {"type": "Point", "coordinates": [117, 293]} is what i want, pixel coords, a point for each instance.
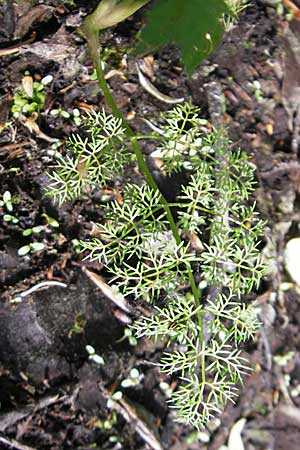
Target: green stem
{"type": "Point", "coordinates": [94, 48]}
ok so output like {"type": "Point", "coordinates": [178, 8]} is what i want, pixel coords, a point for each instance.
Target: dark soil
{"type": "Point", "coordinates": [52, 396]}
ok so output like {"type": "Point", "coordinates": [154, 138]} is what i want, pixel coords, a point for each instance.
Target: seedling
{"type": "Point", "coordinates": [128, 334]}
{"type": "Point", "coordinates": [33, 247]}
{"type": "Point", "coordinates": [35, 230]}
{"type": "Point", "coordinates": [74, 115]}
{"type": "Point", "coordinates": [7, 201]}
{"type": "Point", "coordinates": [133, 380]}
{"type": "Point", "coordinates": [116, 396]}
{"type": "Point", "coordinates": [76, 245]}
{"type": "Point", "coordinates": [78, 325]}
{"type": "Point", "coordinates": [93, 355]}
{"type": "Point", "coordinates": [60, 112]}
{"type": "Point", "coordinates": [50, 221]}
{"type": "Point", "coordinates": [10, 218]}
{"type": "Point", "coordinates": [195, 258]}
{"type": "Point", "coordinates": [30, 97]}
{"type": "Point", "coordinates": [108, 423]}
{"type": "Point", "coordinates": [282, 360]}
{"type": "Point", "coordinates": [258, 94]}
{"type": "Point", "coordinates": [166, 388]}
{"type": "Point", "coordinates": [279, 7]}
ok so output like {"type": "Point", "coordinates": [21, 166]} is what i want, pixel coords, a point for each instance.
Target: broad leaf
{"type": "Point", "coordinates": [110, 12]}
{"type": "Point", "coordinates": [195, 26]}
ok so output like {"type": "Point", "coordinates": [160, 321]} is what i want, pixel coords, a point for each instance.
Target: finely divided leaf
{"type": "Point", "coordinates": [193, 25]}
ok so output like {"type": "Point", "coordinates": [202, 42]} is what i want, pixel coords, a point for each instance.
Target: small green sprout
{"type": "Point", "coordinates": [10, 218]}
{"type": "Point", "coordinates": [133, 380]}
{"type": "Point", "coordinates": [54, 147]}
{"type": "Point", "coordinates": [128, 334]}
{"type": "Point", "coordinates": [116, 396]}
{"type": "Point", "coordinates": [33, 247]}
{"type": "Point", "coordinates": [279, 7]}
{"type": "Point", "coordinates": [108, 423]}
{"type": "Point", "coordinates": [282, 360]}
{"type": "Point", "coordinates": [76, 117]}
{"type": "Point", "coordinates": [7, 201]}
{"type": "Point", "coordinates": [29, 231]}
{"type": "Point", "coordinates": [60, 112]}
{"type": "Point", "coordinates": [50, 221]}
{"type": "Point", "coordinates": [93, 355]}
{"type": "Point", "coordinates": [39, 228]}
{"type": "Point", "coordinates": [166, 388]}
{"type": "Point", "coordinates": [114, 440]}
{"type": "Point", "coordinates": [94, 73]}
{"type": "Point", "coordinates": [258, 94]}
{"type": "Point", "coordinates": [76, 245]}
{"type": "Point", "coordinates": [32, 99]}
{"type": "Point", "coordinates": [78, 325]}
{"type": "Point", "coordinates": [199, 436]}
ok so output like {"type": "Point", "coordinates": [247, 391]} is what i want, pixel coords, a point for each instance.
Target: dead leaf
{"type": "Point", "coordinates": [4, 111]}
{"type": "Point", "coordinates": [11, 418]}
{"type": "Point", "coordinates": [131, 115]}
{"type": "Point", "coordinates": [195, 241]}
{"type": "Point", "coordinates": [108, 291]}
{"type": "Point", "coordinates": [147, 66]}
{"type": "Point", "coordinates": [11, 443]}
{"type": "Point", "coordinates": [291, 81]}
{"type": "Point", "coordinates": [84, 106]}
{"type": "Point", "coordinates": [130, 415]}
{"type": "Point", "coordinates": [151, 89]}
{"type": "Point", "coordinates": [14, 150]}
{"type": "Point", "coordinates": [269, 128]}
{"type": "Point", "coordinates": [119, 198]}
{"type": "Point", "coordinates": [158, 163]}
{"type": "Point", "coordinates": [235, 441]}
{"type": "Point", "coordinates": [16, 48]}
{"type": "Point", "coordinates": [27, 84]}
{"type": "Point", "coordinates": [30, 123]}
{"type": "Point", "coordinates": [9, 50]}
{"type": "Point", "coordinates": [122, 317]}
{"type": "Point", "coordinates": [113, 73]}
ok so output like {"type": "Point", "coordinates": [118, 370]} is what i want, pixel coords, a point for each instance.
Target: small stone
{"type": "Point", "coordinates": [292, 259]}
